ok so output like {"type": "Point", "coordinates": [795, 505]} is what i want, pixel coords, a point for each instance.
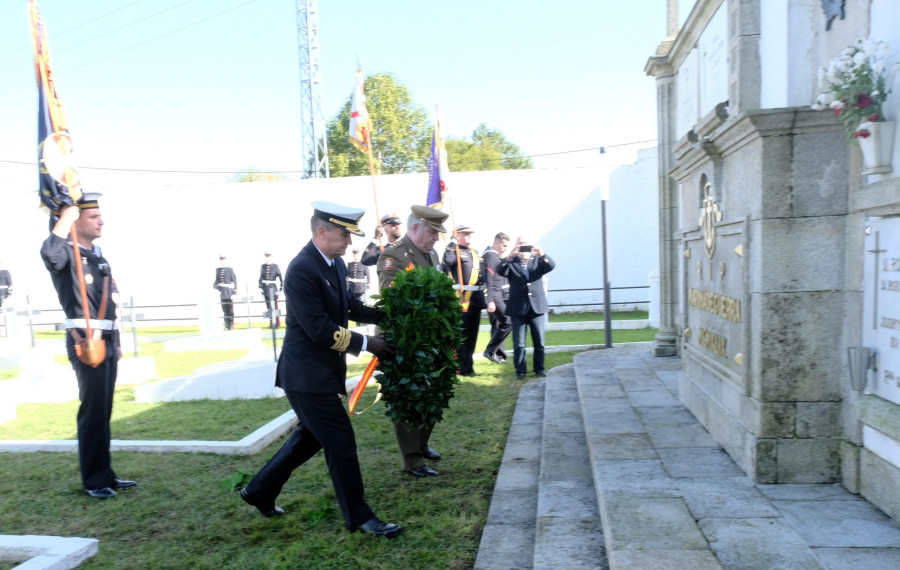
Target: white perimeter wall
{"type": "Point", "coordinates": [163, 242]}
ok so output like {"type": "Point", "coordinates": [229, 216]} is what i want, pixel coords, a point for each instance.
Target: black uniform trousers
{"type": "Point", "coordinates": [228, 311]}
{"type": "Point", "coordinates": [471, 320]}
{"type": "Point", "coordinates": [500, 328]}
{"type": "Point", "coordinates": [95, 390]}
{"type": "Point", "coordinates": [324, 423]}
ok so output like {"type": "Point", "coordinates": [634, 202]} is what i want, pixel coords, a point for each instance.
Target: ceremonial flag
{"type": "Point", "coordinates": [58, 175]}
{"type": "Point", "coordinates": [359, 116]}
{"type": "Point", "coordinates": [437, 169]}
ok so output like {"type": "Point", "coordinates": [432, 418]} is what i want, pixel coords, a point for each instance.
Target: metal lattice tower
{"type": "Point", "coordinates": [313, 144]}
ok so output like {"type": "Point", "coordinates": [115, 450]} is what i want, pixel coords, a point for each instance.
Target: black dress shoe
{"type": "Point", "coordinates": [540, 375]}
{"type": "Point", "coordinates": [493, 358]}
{"type": "Point", "coordinates": [378, 527]}
{"type": "Point", "coordinates": [123, 484]}
{"type": "Point", "coordinates": [423, 471]}
{"type": "Point", "coordinates": [267, 511]}
{"type": "Point", "coordinates": [431, 454]}
{"type": "Point", "coordinates": [103, 493]}
{"type": "Point", "coordinates": [520, 376]}
{"type": "Point", "coordinates": [467, 373]}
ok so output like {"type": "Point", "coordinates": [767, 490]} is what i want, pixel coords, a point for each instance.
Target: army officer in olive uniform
{"type": "Point", "coordinates": [416, 248]}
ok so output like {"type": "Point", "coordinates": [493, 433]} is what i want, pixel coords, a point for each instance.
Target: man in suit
{"type": "Point", "coordinates": [312, 370]}
{"type": "Point", "coordinates": [466, 272]}
{"type": "Point", "coordinates": [357, 276]}
{"type": "Point", "coordinates": [390, 226]}
{"type": "Point", "coordinates": [226, 285]}
{"type": "Point", "coordinates": [270, 281]}
{"type": "Point", "coordinates": [423, 229]}
{"type": "Point", "coordinates": [6, 287]}
{"type": "Point", "coordinates": [497, 288]}
{"type": "Point", "coordinates": [96, 384]}
{"type": "Point", "coordinates": [525, 267]}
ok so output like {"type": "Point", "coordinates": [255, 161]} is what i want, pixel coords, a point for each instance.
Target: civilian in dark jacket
{"type": "Point", "coordinates": [525, 267]}
{"type": "Point", "coordinates": [497, 292]}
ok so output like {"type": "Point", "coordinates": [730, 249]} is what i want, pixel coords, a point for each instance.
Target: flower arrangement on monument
{"type": "Point", "coordinates": [855, 87]}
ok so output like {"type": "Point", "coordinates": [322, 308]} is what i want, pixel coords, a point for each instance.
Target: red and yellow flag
{"type": "Point", "coordinates": [359, 116]}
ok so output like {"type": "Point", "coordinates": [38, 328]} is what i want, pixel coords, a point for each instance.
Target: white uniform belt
{"type": "Point", "coordinates": [469, 287]}
{"type": "Point", "coordinates": [356, 280]}
{"type": "Point", "coordinates": [100, 324]}
{"type": "Point", "coordinates": [4, 286]}
{"type": "Point", "coordinates": [268, 282]}
{"type": "Point", "coordinates": [229, 285]}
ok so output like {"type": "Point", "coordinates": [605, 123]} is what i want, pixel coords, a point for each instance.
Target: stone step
{"type": "Point", "coordinates": [568, 531]}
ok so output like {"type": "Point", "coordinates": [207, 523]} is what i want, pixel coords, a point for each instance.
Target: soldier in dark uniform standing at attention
{"type": "Point", "coordinates": [5, 284]}
{"type": "Point", "coordinates": [270, 282]}
{"type": "Point", "coordinates": [95, 383]}
{"type": "Point", "coordinates": [423, 228]}
{"type": "Point", "coordinates": [471, 294]}
{"type": "Point", "coordinates": [357, 276]}
{"type": "Point", "coordinates": [226, 284]}
{"type": "Point", "coordinates": [390, 226]}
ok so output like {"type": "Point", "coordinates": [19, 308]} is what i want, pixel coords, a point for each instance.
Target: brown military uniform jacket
{"type": "Point", "coordinates": [397, 257]}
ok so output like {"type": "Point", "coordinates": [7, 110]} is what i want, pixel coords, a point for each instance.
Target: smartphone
{"type": "Point", "coordinates": [525, 248]}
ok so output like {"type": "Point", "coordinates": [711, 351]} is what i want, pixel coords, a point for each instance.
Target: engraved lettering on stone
{"type": "Point", "coordinates": [888, 285]}
{"type": "Point", "coordinates": [876, 251]}
{"type": "Point", "coordinates": [889, 323]}
{"type": "Point", "coordinates": [713, 342]}
{"type": "Point", "coordinates": [719, 305]}
{"type": "Point", "coordinates": [890, 264]}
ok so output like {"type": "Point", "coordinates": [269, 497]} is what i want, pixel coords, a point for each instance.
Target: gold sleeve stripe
{"type": "Point", "coordinates": [341, 339]}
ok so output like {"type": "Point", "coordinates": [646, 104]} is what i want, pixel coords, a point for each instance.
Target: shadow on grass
{"type": "Point", "coordinates": [178, 516]}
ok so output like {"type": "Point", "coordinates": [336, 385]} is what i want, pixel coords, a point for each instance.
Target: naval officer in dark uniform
{"type": "Point", "coordinates": [357, 276]}
{"type": "Point", "coordinates": [312, 370]}
{"type": "Point", "coordinates": [95, 384]}
{"type": "Point", "coordinates": [470, 286]}
{"type": "Point", "coordinates": [423, 229]}
{"type": "Point", "coordinates": [5, 284]}
{"type": "Point", "coordinates": [226, 285]}
{"type": "Point", "coordinates": [270, 282]}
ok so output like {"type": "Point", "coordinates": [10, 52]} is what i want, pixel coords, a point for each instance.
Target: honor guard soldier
{"type": "Point", "coordinates": [6, 287]}
{"type": "Point", "coordinates": [270, 282]}
{"type": "Point", "coordinates": [423, 228]}
{"type": "Point", "coordinates": [76, 274]}
{"type": "Point", "coordinates": [226, 285]}
{"type": "Point", "coordinates": [466, 272]}
{"type": "Point", "coordinates": [357, 276]}
{"type": "Point", "coordinates": [390, 226]}
{"type": "Point", "coordinates": [312, 371]}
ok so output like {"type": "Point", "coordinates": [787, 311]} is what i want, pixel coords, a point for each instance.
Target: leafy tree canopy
{"type": "Point", "coordinates": [254, 174]}
{"type": "Point", "coordinates": [401, 132]}
{"type": "Point", "coordinates": [489, 150]}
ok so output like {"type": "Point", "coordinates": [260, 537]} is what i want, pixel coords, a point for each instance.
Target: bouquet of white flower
{"type": "Point", "coordinates": [855, 86]}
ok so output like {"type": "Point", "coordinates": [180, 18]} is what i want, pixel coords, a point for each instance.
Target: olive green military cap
{"type": "Point", "coordinates": [433, 218]}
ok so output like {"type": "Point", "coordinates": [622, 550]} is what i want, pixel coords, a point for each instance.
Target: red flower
{"type": "Point", "coordinates": [863, 134]}
{"type": "Point", "coordinates": [874, 118]}
{"type": "Point", "coordinates": [863, 100]}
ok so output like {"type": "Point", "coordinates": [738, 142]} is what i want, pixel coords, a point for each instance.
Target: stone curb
{"type": "Point", "coordinates": [46, 552]}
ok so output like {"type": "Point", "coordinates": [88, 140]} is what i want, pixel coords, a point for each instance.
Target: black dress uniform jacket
{"type": "Point", "coordinates": [226, 282]}
{"type": "Point", "coordinates": [319, 305]}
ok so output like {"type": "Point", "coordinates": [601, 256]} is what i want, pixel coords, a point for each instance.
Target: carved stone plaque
{"type": "Point", "coordinates": [881, 304]}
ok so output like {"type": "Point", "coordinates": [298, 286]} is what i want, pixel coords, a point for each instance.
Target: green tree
{"type": "Point", "coordinates": [254, 174]}
{"type": "Point", "coordinates": [401, 132]}
{"type": "Point", "coordinates": [489, 150]}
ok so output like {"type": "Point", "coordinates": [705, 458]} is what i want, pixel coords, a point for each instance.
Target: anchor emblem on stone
{"type": "Point", "coordinates": [709, 215]}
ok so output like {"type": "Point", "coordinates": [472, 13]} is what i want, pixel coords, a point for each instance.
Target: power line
{"type": "Point", "coordinates": [159, 171]}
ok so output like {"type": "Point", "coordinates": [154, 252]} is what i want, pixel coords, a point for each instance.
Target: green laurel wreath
{"type": "Point", "coordinates": [424, 320]}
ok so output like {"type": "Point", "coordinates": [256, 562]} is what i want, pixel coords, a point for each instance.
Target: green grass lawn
{"type": "Point", "coordinates": [180, 517]}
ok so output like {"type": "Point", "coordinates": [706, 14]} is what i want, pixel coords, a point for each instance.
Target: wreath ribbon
{"type": "Point", "coordinates": [361, 387]}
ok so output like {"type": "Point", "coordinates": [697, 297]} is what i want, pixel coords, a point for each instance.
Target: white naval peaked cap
{"type": "Point", "coordinates": [343, 216]}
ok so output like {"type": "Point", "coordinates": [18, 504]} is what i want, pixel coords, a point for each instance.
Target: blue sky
{"type": "Point", "coordinates": [213, 85]}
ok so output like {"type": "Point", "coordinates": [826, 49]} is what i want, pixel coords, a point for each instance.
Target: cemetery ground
{"type": "Point", "coordinates": [186, 513]}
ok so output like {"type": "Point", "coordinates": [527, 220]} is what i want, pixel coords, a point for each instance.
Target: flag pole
{"type": "Point", "coordinates": [372, 174]}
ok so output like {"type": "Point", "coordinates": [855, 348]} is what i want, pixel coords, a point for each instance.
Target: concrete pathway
{"type": "Point", "coordinates": [604, 468]}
